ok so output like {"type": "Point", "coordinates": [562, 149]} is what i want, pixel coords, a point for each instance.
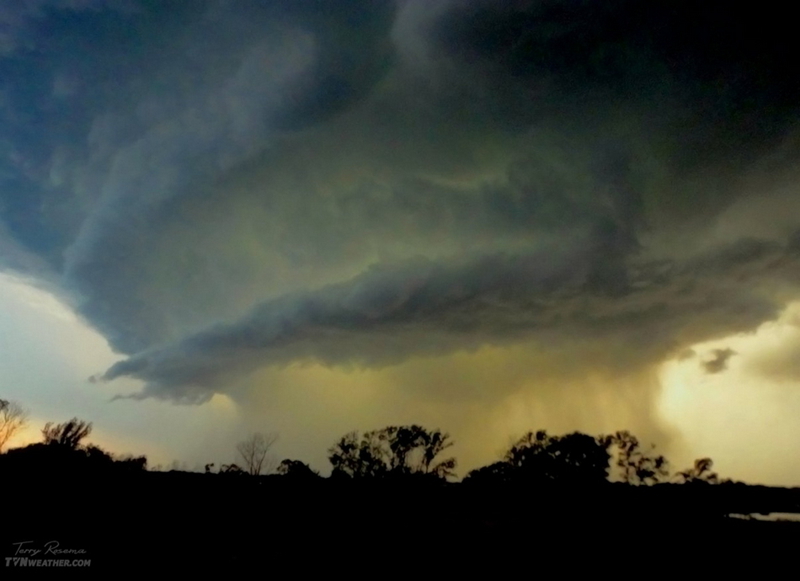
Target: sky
{"type": "Point", "coordinates": [310, 217]}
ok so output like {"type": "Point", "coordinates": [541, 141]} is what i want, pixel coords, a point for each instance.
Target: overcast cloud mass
{"type": "Point", "coordinates": [224, 186]}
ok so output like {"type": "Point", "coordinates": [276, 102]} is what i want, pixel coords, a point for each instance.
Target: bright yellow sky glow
{"type": "Point", "coordinates": [48, 354]}
{"type": "Point", "coordinates": [740, 418]}
{"type": "Point", "coordinates": [747, 423]}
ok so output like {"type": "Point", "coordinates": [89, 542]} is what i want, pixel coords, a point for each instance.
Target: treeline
{"type": "Point", "coordinates": [537, 457]}
{"type": "Point", "coordinates": [390, 500]}
{"type": "Point", "coordinates": [62, 451]}
{"type": "Point", "coordinates": [389, 453]}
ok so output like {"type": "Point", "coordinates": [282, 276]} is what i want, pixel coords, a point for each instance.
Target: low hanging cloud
{"type": "Point", "coordinates": [719, 361]}
{"type": "Point", "coordinates": [387, 315]}
{"type": "Point", "coordinates": [227, 185]}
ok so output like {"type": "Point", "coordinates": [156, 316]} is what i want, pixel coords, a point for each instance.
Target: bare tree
{"type": "Point", "coordinates": [254, 453]}
{"type": "Point", "coordinates": [13, 418]}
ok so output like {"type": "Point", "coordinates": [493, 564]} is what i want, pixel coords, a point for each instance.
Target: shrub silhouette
{"type": "Point", "coordinates": [296, 469]}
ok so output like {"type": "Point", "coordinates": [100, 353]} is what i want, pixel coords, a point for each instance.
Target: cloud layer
{"type": "Point", "coordinates": [228, 185]}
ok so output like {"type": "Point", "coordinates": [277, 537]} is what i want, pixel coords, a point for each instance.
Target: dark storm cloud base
{"type": "Point", "coordinates": [225, 185]}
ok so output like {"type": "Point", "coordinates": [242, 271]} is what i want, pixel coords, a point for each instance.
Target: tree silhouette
{"type": "Point", "coordinates": [395, 450]}
{"type": "Point", "coordinates": [543, 459]}
{"type": "Point", "coordinates": [573, 458]}
{"type": "Point", "coordinates": [68, 435]}
{"type": "Point", "coordinates": [495, 473]}
{"type": "Point", "coordinates": [253, 452]}
{"type": "Point", "coordinates": [13, 418]}
{"type": "Point", "coordinates": [637, 465]}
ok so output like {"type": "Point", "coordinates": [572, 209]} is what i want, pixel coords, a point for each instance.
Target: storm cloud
{"type": "Point", "coordinates": [221, 186]}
